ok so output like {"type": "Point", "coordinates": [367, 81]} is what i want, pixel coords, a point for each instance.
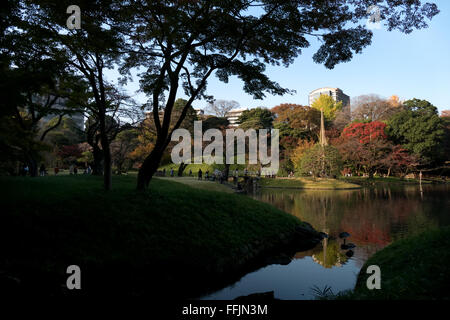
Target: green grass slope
{"type": "Point", "coordinates": [131, 238]}
{"type": "Point", "coordinates": [416, 268]}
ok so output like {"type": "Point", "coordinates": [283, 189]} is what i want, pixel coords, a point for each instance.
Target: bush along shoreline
{"type": "Point", "coordinates": [307, 183]}
{"type": "Point", "coordinates": [414, 268]}
{"type": "Point", "coordinates": [173, 241]}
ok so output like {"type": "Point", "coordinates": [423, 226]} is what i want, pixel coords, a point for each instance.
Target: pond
{"type": "Point", "coordinates": [374, 218]}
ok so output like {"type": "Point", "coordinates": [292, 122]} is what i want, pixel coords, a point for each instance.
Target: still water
{"type": "Point", "coordinates": [374, 217]}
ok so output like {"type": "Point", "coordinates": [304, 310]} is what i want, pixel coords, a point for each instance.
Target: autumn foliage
{"type": "Point", "coordinates": [365, 147]}
{"type": "Point", "coordinates": [69, 154]}
{"type": "Point", "coordinates": [365, 132]}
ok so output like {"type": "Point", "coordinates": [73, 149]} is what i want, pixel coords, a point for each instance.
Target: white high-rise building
{"type": "Point", "coordinates": [336, 93]}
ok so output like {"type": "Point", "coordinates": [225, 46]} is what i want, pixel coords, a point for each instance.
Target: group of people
{"type": "Point", "coordinates": [171, 172]}
{"type": "Point", "coordinates": [216, 175]}
{"type": "Point", "coordinates": [73, 170]}
{"type": "Point", "coordinates": [25, 170]}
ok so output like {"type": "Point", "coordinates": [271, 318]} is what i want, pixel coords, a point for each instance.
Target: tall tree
{"type": "Point", "coordinates": [342, 119]}
{"type": "Point", "coordinates": [148, 131]}
{"type": "Point", "coordinates": [94, 138]}
{"type": "Point", "coordinates": [365, 132]}
{"type": "Point", "coordinates": [374, 108]}
{"type": "Point", "coordinates": [182, 43]}
{"type": "Point", "coordinates": [36, 87]}
{"type": "Point", "coordinates": [419, 129]}
{"type": "Point", "coordinates": [401, 161]}
{"type": "Point", "coordinates": [365, 146]}
{"type": "Point", "coordinates": [322, 161]}
{"type": "Point", "coordinates": [367, 157]}
{"type": "Point", "coordinates": [328, 106]}
{"type": "Point", "coordinates": [298, 152]}
{"type": "Point", "coordinates": [257, 118]}
{"type": "Point", "coordinates": [296, 120]}
{"type": "Point", "coordinates": [121, 148]}
{"type": "Point", "coordinates": [89, 51]}
{"type": "Point", "coordinates": [220, 107]}
{"type": "Point", "coordinates": [445, 116]}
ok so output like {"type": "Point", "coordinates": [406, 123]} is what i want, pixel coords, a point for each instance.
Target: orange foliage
{"type": "Point", "coordinates": [298, 152]}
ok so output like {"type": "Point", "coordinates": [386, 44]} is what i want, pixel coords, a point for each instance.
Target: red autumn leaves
{"type": "Point", "coordinates": [366, 147]}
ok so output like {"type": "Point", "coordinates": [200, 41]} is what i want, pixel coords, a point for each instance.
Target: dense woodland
{"type": "Point", "coordinates": [375, 136]}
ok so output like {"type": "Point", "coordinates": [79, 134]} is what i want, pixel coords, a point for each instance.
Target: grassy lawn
{"type": "Point", "coordinates": [200, 184]}
{"type": "Point", "coordinates": [169, 237]}
{"type": "Point", "coordinates": [307, 183]}
{"type": "Point", "coordinates": [194, 167]}
{"type": "Point", "coordinates": [413, 268]}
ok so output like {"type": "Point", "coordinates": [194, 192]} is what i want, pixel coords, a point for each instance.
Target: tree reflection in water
{"type": "Point", "coordinates": [374, 217]}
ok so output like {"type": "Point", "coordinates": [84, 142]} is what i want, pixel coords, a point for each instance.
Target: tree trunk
{"type": "Point", "coordinates": [97, 170]}
{"type": "Point", "coordinates": [107, 167]}
{"type": "Point", "coordinates": [226, 172]}
{"type": "Point", "coordinates": [149, 167]}
{"type": "Point", "coordinates": [33, 166]}
{"type": "Point", "coordinates": [107, 172]}
{"type": "Point", "coordinates": [119, 167]}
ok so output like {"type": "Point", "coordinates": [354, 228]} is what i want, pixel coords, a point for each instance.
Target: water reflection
{"type": "Point", "coordinates": [374, 217]}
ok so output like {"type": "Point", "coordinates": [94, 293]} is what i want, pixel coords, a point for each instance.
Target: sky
{"type": "Point", "coordinates": [416, 65]}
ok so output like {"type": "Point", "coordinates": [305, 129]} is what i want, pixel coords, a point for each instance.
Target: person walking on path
{"type": "Point", "coordinates": [171, 172]}
{"type": "Point", "coordinates": [200, 173]}
{"type": "Point", "coordinates": [42, 170]}
{"type": "Point", "coordinates": [207, 175]}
